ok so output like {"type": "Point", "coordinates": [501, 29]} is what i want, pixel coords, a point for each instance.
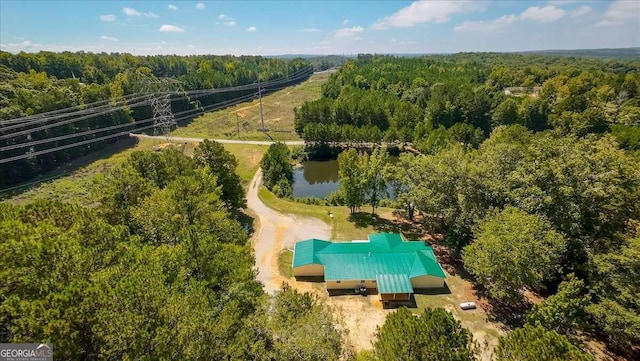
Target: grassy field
{"type": "Point", "coordinates": [277, 112]}
{"type": "Point", "coordinates": [249, 157]}
{"type": "Point", "coordinates": [72, 182]}
{"type": "Point", "coordinates": [285, 259]}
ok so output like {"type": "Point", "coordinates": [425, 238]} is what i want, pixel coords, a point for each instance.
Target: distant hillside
{"type": "Point", "coordinates": [627, 53]}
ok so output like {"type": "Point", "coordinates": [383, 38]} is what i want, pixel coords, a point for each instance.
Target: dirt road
{"type": "Point", "coordinates": [277, 231]}
{"type": "Point", "coordinates": [198, 140]}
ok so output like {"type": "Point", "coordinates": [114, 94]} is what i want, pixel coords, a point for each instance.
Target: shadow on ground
{"type": "Point", "coordinates": [365, 219]}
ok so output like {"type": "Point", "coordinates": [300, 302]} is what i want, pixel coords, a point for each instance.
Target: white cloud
{"type": "Point", "coordinates": [171, 29]}
{"type": "Point", "coordinates": [582, 10]}
{"type": "Point", "coordinates": [311, 30]}
{"type": "Point", "coordinates": [563, 2]}
{"type": "Point", "coordinates": [473, 26]}
{"type": "Point", "coordinates": [251, 29]}
{"type": "Point", "coordinates": [348, 32]}
{"type": "Point", "coordinates": [134, 12]}
{"type": "Point", "coordinates": [25, 45]}
{"type": "Point", "coordinates": [200, 6]}
{"type": "Point", "coordinates": [226, 20]}
{"type": "Point", "coordinates": [110, 38]}
{"type": "Point", "coordinates": [131, 12]}
{"type": "Point", "coordinates": [619, 12]}
{"type": "Point", "coordinates": [108, 17]}
{"type": "Point", "coordinates": [172, 7]}
{"type": "Point", "coordinates": [546, 14]}
{"type": "Point", "coordinates": [423, 11]}
{"type": "Point", "coordinates": [345, 21]}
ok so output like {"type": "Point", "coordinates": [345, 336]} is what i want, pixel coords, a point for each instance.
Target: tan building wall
{"type": "Point", "coordinates": [350, 284]}
{"type": "Point", "coordinates": [395, 296]}
{"type": "Point", "coordinates": [427, 282]}
{"type": "Point", "coordinates": [309, 270]}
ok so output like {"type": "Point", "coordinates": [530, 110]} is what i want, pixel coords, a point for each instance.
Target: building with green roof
{"type": "Point", "coordinates": [385, 262]}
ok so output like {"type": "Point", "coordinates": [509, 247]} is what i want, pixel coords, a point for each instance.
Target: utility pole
{"type": "Point", "coordinates": [238, 124]}
{"type": "Point", "coordinates": [260, 100]}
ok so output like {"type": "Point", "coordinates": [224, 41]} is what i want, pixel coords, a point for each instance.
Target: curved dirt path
{"type": "Point", "coordinates": [275, 232]}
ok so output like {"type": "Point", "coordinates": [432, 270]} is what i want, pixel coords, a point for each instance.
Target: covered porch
{"type": "Point", "coordinates": [394, 287]}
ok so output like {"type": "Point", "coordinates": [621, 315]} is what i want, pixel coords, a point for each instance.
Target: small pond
{"type": "Point", "coordinates": [315, 179]}
{"type": "Point", "coordinates": [318, 178]}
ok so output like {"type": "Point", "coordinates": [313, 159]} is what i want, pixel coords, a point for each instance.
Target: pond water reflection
{"type": "Point", "coordinates": [318, 178]}
{"type": "Point", "coordinates": [315, 179]}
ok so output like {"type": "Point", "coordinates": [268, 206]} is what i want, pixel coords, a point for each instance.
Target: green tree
{"type": "Point", "coordinates": [537, 343]}
{"type": "Point", "coordinates": [276, 165]}
{"type": "Point", "coordinates": [514, 250]}
{"type": "Point", "coordinates": [563, 312]}
{"type": "Point", "coordinates": [433, 335]}
{"type": "Point", "coordinates": [223, 165]}
{"type": "Point", "coordinates": [374, 182]}
{"type": "Point", "coordinates": [351, 179]}
{"type": "Point", "coordinates": [615, 285]}
{"type": "Point", "coordinates": [506, 113]}
{"type": "Point", "coordinates": [303, 328]}
{"type": "Point", "coordinates": [399, 177]}
{"type": "Point", "coordinates": [117, 191]}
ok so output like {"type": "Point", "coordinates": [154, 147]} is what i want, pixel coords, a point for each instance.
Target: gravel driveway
{"type": "Point", "coordinates": [275, 232]}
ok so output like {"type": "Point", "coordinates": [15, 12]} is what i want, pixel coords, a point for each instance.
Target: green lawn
{"type": "Point", "coordinates": [249, 157]}
{"type": "Point", "coordinates": [285, 259]}
{"type": "Point", "coordinates": [277, 111]}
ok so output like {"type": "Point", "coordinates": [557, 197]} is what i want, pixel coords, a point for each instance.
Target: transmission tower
{"type": "Point", "coordinates": [160, 100]}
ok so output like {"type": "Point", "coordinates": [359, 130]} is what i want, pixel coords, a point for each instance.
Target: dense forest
{"type": "Point", "coordinates": [84, 97]}
{"type": "Point", "coordinates": [160, 268]}
{"type": "Point", "coordinates": [434, 99]}
{"type": "Point", "coordinates": [529, 169]}
{"type": "Point", "coordinates": [540, 211]}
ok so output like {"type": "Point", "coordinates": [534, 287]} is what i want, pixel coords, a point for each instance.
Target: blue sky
{"type": "Point", "coordinates": [316, 27]}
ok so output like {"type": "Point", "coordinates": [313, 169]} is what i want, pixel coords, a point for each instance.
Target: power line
{"type": "Point", "coordinates": [104, 103]}
{"type": "Point", "coordinates": [50, 150]}
{"type": "Point", "coordinates": [124, 125]}
{"type": "Point", "coordinates": [109, 109]}
{"type": "Point", "coordinates": [299, 75]}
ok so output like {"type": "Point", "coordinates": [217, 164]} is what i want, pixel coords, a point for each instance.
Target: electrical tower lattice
{"type": "Point", "coordinates": [160, 100]}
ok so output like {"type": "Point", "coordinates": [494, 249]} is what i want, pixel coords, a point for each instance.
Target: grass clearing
{"type": "Point", "coordinates": [277, 110]}
{"type": "Point", "coordinates": [72, 182]}
{"type": "Point", "coordinates": [248, 156]}
{"type": "Point", "coordinates": [343, 225]}
{"type": "Point", "coordinates": [285, 259]}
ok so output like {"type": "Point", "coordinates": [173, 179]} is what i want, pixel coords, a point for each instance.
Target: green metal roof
{"type": "Point", "coordinates": [305, 252]}
{"type": "Point", "coordinates": [384, 253]}
{"type": "Point", "coordinates": [394, 283]}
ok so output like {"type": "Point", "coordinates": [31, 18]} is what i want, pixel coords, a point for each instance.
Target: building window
{"type": "Point", "coordinates": [361, 281]}
{"type": "Point", "coordinates": [337, 281]}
